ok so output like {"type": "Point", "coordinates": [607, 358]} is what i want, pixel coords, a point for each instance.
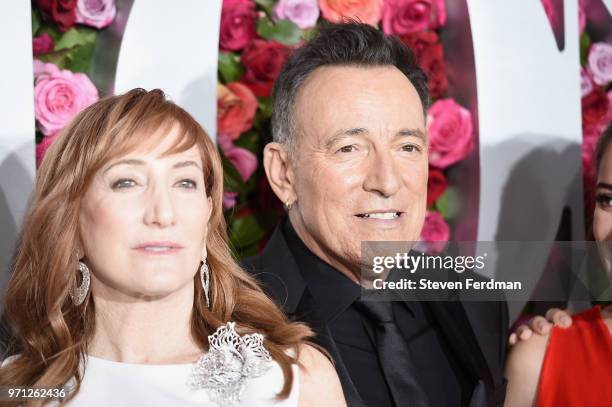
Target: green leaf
{"type": "Point", "coordinates": [585, 44]}
{"type": "Point", "coordinates": [248, 251]}
{"type": "Point", "coordinates": [309, 33]}
{"type": "Point", "coordinates": [59, 58]}
{"type": "Point", "coordinates": [50, 29]}
{"type": "Point", "coordinates": [35, 22]}
{"type": "Point", "coordinates": [249, 140]}
{"type": "Point", "coordinates": [246, 231]}
{"type": "Point", "coordinates": [449, 203]}
{"type": "Point", "coordinates": [266, 5]}
{"type": "Point", "coordinates": [80, 58]}
{"type": "Point", "coordinates": [232, 179]}
{"type": "Point", "coordinates": [230, 67]}
{"type": "Point", "coordinates": [76, 59]}
{"type": "Point", "coordinates": [283, 31]}
{"type": "Point", "coordinates": [74, 37]}
{"type": "Point", "coordinates": [246, 235]}
{"type": "Point", "coordinates": [265, 106]}
{"type": "Point", "coordinates": [263, 115]}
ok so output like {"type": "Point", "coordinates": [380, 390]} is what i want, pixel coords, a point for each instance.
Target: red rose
{"type": "Point", "coordinates": [594, 108]}
{"type": "Point", "coordinates": [237, 24]}
{"type": "Point", "coordinates": [420, 42]}
{"type": "Point", "coordinates": [436, 185]}
{"type": "Point", "coordinates": [236, 107]}
{"type": "Point", "coordinates": [62, 12]}
{"type": "Point", "coordinates": [262, 61]}
{"type": "Point", "coordinates": [43, 44]}
{"type": "Point", "coordinates": [430, 56]}
{"type": "Point", "coordinates": [432, 62]}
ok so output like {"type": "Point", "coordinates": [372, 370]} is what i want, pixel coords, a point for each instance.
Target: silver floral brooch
{"type": "Point", "coordinates": [230, 362]}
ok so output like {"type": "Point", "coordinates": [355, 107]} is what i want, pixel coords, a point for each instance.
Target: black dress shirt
{"type": "Point", "coordinates": [439, 373]}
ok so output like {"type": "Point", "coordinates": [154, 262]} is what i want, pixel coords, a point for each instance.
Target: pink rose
{"type": "Point", "coordinates": [41, 148]}
{"type": "Point", "coordinates": [600, 63]}
{"type": "Point", "coordinates": [229, 199]}
{"type": "Point", "coordinates": [586, 83]}
{"type": "Point", "coordinates": [59, 95]}
{"type": "Point", "coordinates": [236, 108]}
{"type": "Point", "coordinates": [237, 24]}
{"type": "Point", "coordinates": [43, 44]}
{"type": "Point", "coordinates": [304, 13]}
{"type": "Point", "coordinates": [434, 235]}
{"type": "Point", "coordinates": [367, 11]}
{"type": "Point", "coordinates": [96, 13]}
{"type": "Point", "coordinates": [242, 159]}
{"type": "Point", "coordinates": [408, 16]}
{"type": "Point", "coordinates": [449, 126]}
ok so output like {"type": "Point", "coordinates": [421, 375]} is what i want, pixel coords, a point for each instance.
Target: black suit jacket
{"type": "Point", "coordinates": [477, 331]}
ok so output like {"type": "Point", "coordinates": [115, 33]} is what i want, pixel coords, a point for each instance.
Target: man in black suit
{"type": "Point", "coordinates": [349, 161]}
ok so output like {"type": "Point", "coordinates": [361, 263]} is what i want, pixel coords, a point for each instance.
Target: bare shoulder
{"type": "Point", "coordinates": [319, 383]}
{"type": "Point", "coordinates": [523, 370]}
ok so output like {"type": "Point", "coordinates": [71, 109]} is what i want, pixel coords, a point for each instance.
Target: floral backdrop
{"type": "Point", "coordinates": [256, 37]}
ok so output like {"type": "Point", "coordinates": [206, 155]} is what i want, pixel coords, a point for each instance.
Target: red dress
{"type": "Point", "coordinates": [577, 368]}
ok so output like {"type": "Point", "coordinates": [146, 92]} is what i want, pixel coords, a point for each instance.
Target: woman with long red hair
{"type": "Point", "coordinates": [124, 290]}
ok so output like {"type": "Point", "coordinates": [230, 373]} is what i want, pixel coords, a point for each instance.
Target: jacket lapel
{"type": "Point", "coordinates": [280, 274]}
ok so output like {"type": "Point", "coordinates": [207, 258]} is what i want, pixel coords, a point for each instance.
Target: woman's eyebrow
{"type": "Point", "coordinates": [604, 185]}
{"type": "Point", "coordinates": [186, 163]}
{"type": "Point", "coordinates": [133, 161]}
{"type": "Point", "coordinates": [128, 161]}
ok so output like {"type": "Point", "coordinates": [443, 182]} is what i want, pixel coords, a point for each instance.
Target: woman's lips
{"type": "Point", "coordinates": [158, 248]}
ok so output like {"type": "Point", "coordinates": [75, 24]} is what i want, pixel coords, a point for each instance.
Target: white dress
{"type": "Point", "coordinates": [107, 383]}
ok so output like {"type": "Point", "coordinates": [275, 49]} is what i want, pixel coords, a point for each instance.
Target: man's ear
{"type": "Point", "coordinates": [278, 171]}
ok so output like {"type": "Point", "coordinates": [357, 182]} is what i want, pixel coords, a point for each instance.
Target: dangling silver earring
{"type": "Point", "coordinates": [78, 295]}
{"type": "Point", "coordinates": [205, 279]}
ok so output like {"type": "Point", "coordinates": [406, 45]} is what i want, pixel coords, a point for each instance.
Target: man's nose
{"type": "Point", "coordinates": [160, 209]}
{"type": "Point", "coordinates": [382, 175]}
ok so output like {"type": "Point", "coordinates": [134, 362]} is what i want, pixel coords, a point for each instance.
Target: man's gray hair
{"type": "Point", "coordinates": [346, 44]}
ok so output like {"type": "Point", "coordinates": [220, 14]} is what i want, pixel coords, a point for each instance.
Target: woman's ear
{"type": "Point", "coordinates": [79, 249]}
{"type": "Point", "coordinates": [278, 171]}
{"type": "Point", "coordinates": [208, 214]}
{"type": "Point", "coordinates": [210, 208]}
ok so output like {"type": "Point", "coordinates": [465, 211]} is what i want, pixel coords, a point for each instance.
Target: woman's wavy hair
{"type": "Point", "coordinates": [50, 334]}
